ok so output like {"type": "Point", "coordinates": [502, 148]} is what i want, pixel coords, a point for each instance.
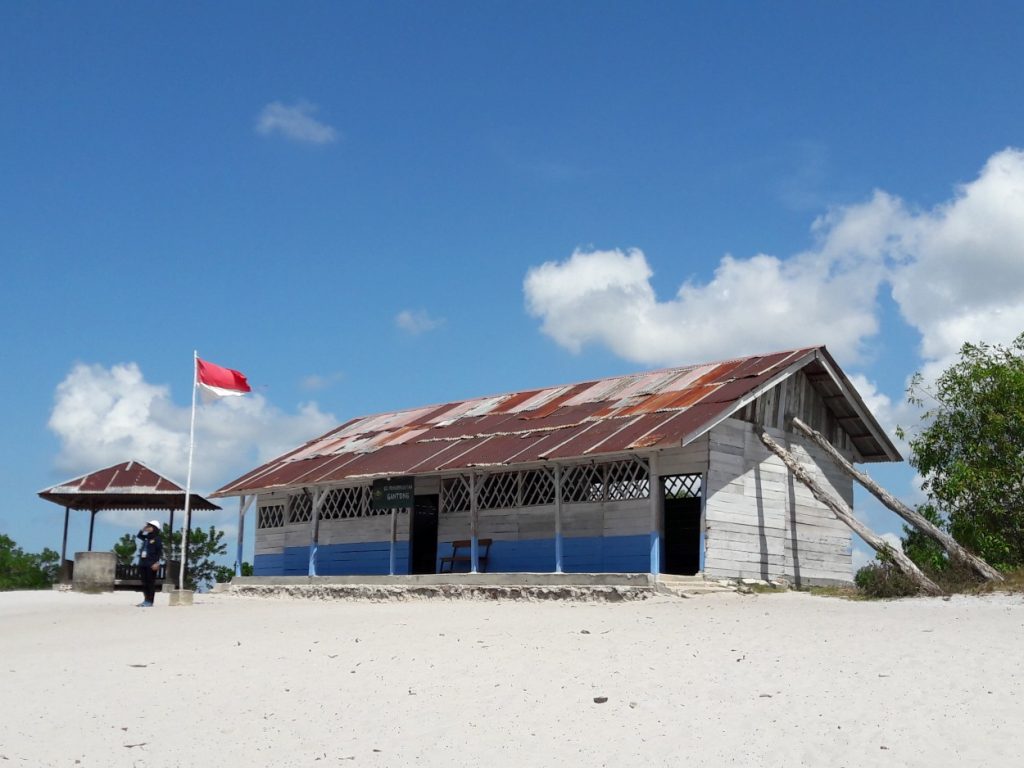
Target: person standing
{"type": "Point", "coordinates": [150, 552]}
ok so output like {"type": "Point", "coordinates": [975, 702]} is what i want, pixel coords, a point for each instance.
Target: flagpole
{"type": "Point", "coordinates": [188, 477]}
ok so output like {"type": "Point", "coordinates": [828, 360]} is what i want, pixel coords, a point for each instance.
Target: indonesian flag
{"type": "Point", "coordinates": [220, 381]}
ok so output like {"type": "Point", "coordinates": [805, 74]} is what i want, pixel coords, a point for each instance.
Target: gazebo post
{"type": "Point", "coordinates": [64, 543]}
{"type": "Point", "coordinates": [92, 523]}
{"type": "Point", "coordinates": [170, 522]}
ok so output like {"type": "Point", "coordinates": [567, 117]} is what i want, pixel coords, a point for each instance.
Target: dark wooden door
{"type": "Point", "coordinates": [682, 536]}
{"type": "Point", "coordinates": [423, 535]}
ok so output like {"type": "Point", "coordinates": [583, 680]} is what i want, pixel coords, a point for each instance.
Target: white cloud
{"type": "Point", "coordinates": [956, 272]}
{"type": "Point", "coordinates": [294, 122]}
{"type": "Point", "coordinates": [315, 381]}
{"type": "Point", "coordinates": [750, 305]}
{"type": "Point", "coordinates": [104, 416]}
{"type": "Point", "coordinates": [417, 321]}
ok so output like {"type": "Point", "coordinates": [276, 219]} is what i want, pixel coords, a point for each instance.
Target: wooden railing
{"type": "Point", "coordinates": [131, 573]}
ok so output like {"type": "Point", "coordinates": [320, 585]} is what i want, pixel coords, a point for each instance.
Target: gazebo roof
{"type": "Point", "coordinates": [129, 485]}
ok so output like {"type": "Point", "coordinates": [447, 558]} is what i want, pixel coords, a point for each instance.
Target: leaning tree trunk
{"type": "Point", "coordinates": [913, 517]}
{"type": "Point", "coordinates": [844, 513]}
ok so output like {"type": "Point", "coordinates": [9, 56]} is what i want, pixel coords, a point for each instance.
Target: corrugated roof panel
{"type": "Point", "coordinates": [597, 391]}
{"type": "Point", "coordinates": [470, 426]}
{"type": "Point", "coordinates": [453, 412]}
{"type": "Point", "coordinates": [693, 395]}
{"type": "Point", "coordinates": [532, 446]}
{"type": "Point", "coordinates": [486, 406]}
{"type": "Point", "coordinates": [291, 472]}
{"type": "Point", "coordinates": [651, 404]}
{"type": "Point", "coordinates": [687, 422]}
{"type": "Point", "coordinates": [688, 377]}
{"type": "Point", "coordinates": [720, 374]}
{"type": "Point", "coordinates": [539, 399]}
{"type": "Point", "coordinates": [734, 390]}
{"type": "Point", "coordinates": [581, 440]}
{"type": "Point", "coordinates": [395, 460]}
{"type": "Point", "coordinates": [635, 429]}
{"type": "Point", "coordinates": [459, 457]}
{"type": "Point", "coordinates": [513, 401]}
{"type": "Point", "coordinates": [649, 384]}
{"type": "Point", "coordinates": [554, 403]}
{"type": "Point", "coordinates": [496, 450]}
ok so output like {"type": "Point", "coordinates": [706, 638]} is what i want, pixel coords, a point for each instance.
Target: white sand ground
{"type": "Point", "coordinates": [720, 680]}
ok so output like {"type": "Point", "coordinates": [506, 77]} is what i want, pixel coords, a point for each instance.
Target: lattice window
{"type": "Point", "coordinates": [270, 516]}
{"type": "Point", "coordinates": [537, 487]}
{"type": "Point", "coordinates": [300, 508]}
{"type": "Point", "coordinates": [499, 491]}
{"type": "Point", "coordinates": [343, 503]}
{"type": "Point", "coordinates": [454, 494]}
{"type": "Point", "coordinates": [681, 486]}
{"type": "Point", "coordinates": [626, 480]}
{"type": "Point", "coordinates": [582, 482]}
{"type": "Point", "coordinates": [611, 481]}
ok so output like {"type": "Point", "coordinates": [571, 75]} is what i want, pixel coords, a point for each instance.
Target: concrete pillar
{"type": "Point", "coordinates": [94, 571]}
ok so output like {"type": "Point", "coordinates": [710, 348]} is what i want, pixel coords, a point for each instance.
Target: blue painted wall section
{"type": "Point", "coordinates": [592, 554]}
{"type": "Point", "coordinates": [368, 558]}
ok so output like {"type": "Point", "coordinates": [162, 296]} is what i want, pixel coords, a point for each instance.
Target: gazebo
{"type": "Point", "coordinates": [129, 485]}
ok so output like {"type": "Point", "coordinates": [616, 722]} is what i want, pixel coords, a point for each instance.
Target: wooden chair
{"type": "Point", "coordinates": [462, 553]}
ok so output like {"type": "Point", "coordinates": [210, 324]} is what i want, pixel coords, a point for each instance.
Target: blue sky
{"type": "Point", "coordinates": [367, 206]}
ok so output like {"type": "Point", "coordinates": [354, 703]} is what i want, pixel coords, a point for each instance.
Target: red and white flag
{"type": "Point", "coordinates": [220, 381]}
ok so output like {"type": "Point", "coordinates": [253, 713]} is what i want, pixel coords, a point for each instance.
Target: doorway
{"type": "Point", "coordinates": [682, 535]}
{"type": "Point", "coordinates": [423, 534]}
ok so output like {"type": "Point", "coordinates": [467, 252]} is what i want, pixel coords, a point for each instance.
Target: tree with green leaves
{"type": "Point", "coordinates": [203, 546]}
{"type": "Point", "coordinates": [26, 570]}
{"type": "Point", "coordinates": [125, 549]}
{"type": "Point", "coordinates": [970, 451]}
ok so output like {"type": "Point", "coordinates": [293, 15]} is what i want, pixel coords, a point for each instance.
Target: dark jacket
{"type": "Point", "coordinates": [151, 550]}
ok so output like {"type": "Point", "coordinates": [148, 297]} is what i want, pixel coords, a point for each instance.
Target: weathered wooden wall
{"type": "Point", "coordinates": [796, 396]}
{"type": "Point", "coordinates": [760, 522]}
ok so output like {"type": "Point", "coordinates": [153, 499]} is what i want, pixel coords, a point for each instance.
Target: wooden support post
{"type": "Point", "coordinates": [558, 518]}
{"type": "Point", "coordinates": [392, 557]}
{"type": "Point", "coordinates": [654, 479]}
{"type": "Point", "coordinates": [913, 517]}
{"type": "Point", "coordinates": [92, 523]}
{"type": "Point", "coordinates": [474, 550]}
{"type": "Point", "coordinates": [314, 528]}
{"type": "Point", "coordinates": [244, 502]}
{"type": "Point", "coordinates": [844, 513]}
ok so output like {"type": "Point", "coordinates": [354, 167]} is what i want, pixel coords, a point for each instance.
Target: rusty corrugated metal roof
{"type": "Point", "coordinates": [625, 413]}
{"type": "Point", "coordinates": [129, 485]}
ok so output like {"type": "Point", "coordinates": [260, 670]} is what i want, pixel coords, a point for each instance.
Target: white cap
{"type": "Point", "coordinates": [154, 523]}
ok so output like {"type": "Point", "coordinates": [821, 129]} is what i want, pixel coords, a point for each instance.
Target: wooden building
{"type": "Point", "coordinates": [657, 472]}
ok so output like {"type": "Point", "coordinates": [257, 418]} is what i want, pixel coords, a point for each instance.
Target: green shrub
{"type": "Point", "coordinates": [884, 580]}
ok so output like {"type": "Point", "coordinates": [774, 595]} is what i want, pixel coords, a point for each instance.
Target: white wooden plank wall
{"type": "Point", "coordinates": [802, 400]}
{"type": "Point", "coordinates": [618, 518]}
{"type": "Point", "coordinates": [763, 524]}
{"type": "Point", "coordinates": [689, 460]}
